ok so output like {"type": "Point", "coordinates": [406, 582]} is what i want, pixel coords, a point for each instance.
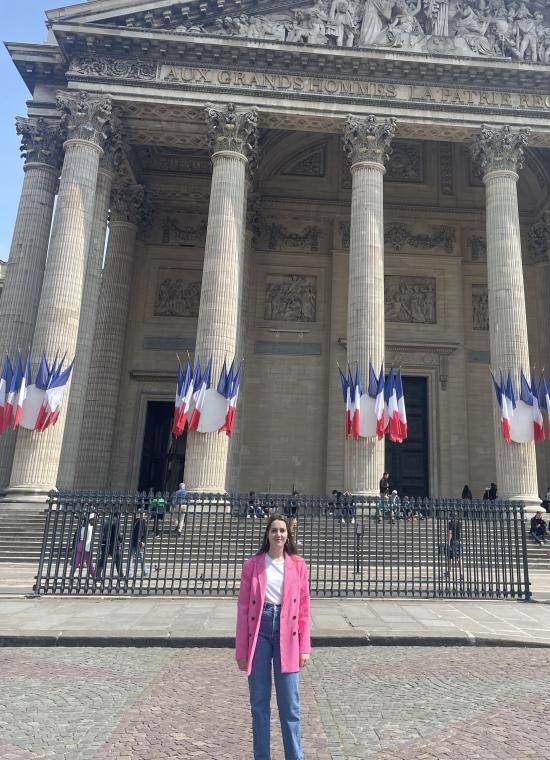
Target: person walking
{"type": "Point", "coordinates": [273, 630]}
{"type": "Point", "coordinates": [179, 499]}
{"type": "Point", "coordinates": [137, 546]}
{"type": "Point", "coordinates": [467, 493]}
{"type": "Point", "coordinates": [111, 544]}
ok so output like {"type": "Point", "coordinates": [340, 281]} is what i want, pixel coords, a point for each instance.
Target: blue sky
{"type": "Point", "coordinates": [21, 22]}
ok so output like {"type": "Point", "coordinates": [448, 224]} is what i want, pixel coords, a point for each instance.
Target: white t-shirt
{"type": "Point", "coordinates": [275, 571]}
{"type": "Point", "coordinates": [87, 531]}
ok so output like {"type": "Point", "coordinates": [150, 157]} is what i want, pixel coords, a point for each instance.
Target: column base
{"type": "Point", "coordinates": [532, 502]}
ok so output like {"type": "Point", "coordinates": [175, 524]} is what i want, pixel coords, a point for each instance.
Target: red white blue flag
{"type": "Point", "coordinates": [538, 421]}
{"type": "Point", "coordinates": [233, 391]}
{"type": "Point", "coordinates": [5, 382]}
{"type": "Point", "coordinates": [403, 427]}
{"type": "Point", "coordinates": [357, 393]}
{"type": "Point", "coordinates": [544, 398]}
{"type": "Point", "coordinates": [51, 406]}
{"type": "Point", "coordinates": [26, 380]}
{"type": "Point", "coordinates": [200, 396]}
{"type": "Point", "coordinates": [504, 405]}
{"type": "Point", "coordinates": [379, 406]}
{"type": "Point", "coordinates": [11, 400]}
{"type": "Point", "coordinates": [393, 426]}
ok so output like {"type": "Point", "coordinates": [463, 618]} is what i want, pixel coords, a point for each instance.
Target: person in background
{"type": "Point", "coordinates": [492, 492]}
{"type": "Point", "coordinates": [137, 546]}
{"type": "Point", "coordinates": [111, 544]}
{"type": "Point", "coordinates": [273, 635]}
{"type": "Point", "coordinates": [538, 528]}
{"type": "Point", "coordinates": [179, 500]}
{"type": "Point", "coordinates": [395, 505]}
{"type": "Point", "coordinates": [466, 493]}
{"type": "Point", "coordinates": [157, 506]}
{"type": "Point", "coordinates": [486, 493]}
{"type": "Point", "coordinates": [83, 545]}
{"type": "Point", "coordinates": [385, 484]}
{"type": "Point", "coordinates": [456, 548]}
{"type": "Point", "coordinates": [253, 510]}
{"type": "Point", "coordinates": [382, 504]}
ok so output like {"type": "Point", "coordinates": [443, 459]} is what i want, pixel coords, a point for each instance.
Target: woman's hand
{"type": "Point", "coordinates": [242, 664]}
{"type": "Point", "coordinates": [304, 659]}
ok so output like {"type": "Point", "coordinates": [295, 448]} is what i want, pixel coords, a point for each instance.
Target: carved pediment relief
{"type": "Point", "coordinates": [480, 28]}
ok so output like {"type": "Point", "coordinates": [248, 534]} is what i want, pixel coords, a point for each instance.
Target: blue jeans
{"type": "Point", "coordinates": [287, 689]}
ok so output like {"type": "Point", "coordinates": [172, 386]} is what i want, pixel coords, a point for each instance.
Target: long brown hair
{"type": "Point", "coordinates": [290, 544]}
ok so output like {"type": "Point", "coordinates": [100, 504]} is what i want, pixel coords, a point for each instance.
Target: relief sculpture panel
{"type": "Point", "coordinates": [518, 29]}
{"type": "Point", "coordinates": [480, 307]}
{"type": "Point", "coordinates": [290, 298]}
{"type": "Point", "coordinates": [410, 299]}
{"type": "Point", "coordinates": [178, 293]}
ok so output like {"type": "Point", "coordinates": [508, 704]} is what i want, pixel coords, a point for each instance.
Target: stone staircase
{"type": "Point", "coordinates": [21, 530]}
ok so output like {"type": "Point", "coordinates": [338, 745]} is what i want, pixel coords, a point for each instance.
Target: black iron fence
{"type": "Point", "coordinates": [97, 543]}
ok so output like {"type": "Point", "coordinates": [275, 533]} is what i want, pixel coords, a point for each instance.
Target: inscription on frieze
{"type": "Point", "coordinates": [306, 238]}
{"type": "Point", "coordinates": [399, 236]}
{"type": "Point", "coordinates": [178, 293]}
{"type": "Point", "coordinates": [290, 298]}
{"type": "Point", "coordinates": [480, 307]}
{"type": "Point", "coordinates": [410, 299]}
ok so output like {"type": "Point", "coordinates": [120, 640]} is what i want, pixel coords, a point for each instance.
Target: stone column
{"type": "Point", "coordinates": [367, 145]}
{"type": "Point", "coordinates": [100, 409]}
{"type": "Point", "coordinates": [232, 136]}
{"type": "Point", "coordinates": [41, 147]}
{"type": "Point", "coordinates": [500, 154]}
{"type": "Point", "coordinates": [86, 119]}
{"type": "Point", "coordinates": [114, 152]}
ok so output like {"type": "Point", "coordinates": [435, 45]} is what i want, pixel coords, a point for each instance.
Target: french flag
{"type": "Point", "coordinates": [51, 406]}
{"type": "Point", "coordinates": [180, 410]}
{"type": "Point", "coordinates": [504, 405]}
{"type": "Point", "coordinates": [544, 398]}
{"type": "Point", "coordinates": [11, 400]}
{"type": "Point", "coordinates": [349, 404]}
{"type": "Point", "coordinates": [379, 405]}
{"type": "Point", "coordinates": [344, 384]}
{"type": "Point", "coordinates": [538, 421]}
{"type": "Point", "coordinates": [403, 428]}
{"type": "Point", "coordinates": [233, 396]}
{"type": "Point", "coordinates": [26, 380]}
{"type": "Point", "coordinates": [36, 393]}
{"type": "Point", "coordinates": [5, 382]}
{"type": "Point", "coordinates": [393, 412]}
{"type": "Point", "coordinates": [357, 393]}
{"type": "Point", "coordinates": [200, 396]}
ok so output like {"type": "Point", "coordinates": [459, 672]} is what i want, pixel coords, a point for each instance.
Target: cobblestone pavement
{"type": "Point", "coordinates": [359, 703]}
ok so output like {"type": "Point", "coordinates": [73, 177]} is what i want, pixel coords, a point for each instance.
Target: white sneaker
{"type": "Point", "coordinates": [353, 520]}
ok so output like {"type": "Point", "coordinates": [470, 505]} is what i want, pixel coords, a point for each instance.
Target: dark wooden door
{"type": "Point", "coordinates": [407, 462]}
{"type": "Point", "coordinates": [162, 457]}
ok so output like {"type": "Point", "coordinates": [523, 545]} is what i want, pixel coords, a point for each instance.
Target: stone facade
{"type": "Point", "coordinates": [312, 200]}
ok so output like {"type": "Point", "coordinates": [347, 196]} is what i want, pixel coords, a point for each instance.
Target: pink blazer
{"type": "Point", "coordinates": [295, 625]}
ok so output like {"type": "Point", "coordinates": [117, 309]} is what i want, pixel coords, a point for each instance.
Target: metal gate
{"type": "Point", "coordinates": [355, 547]}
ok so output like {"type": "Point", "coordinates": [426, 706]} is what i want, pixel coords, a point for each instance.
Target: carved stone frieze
{"type": "Point", "coordinates": [398, 236]}
{"type": "Point", "coordinates": [539, 239]}
{"type": "Point", "coordinates": [407, 162]}
{"type": "Point", "coordinates": [178, 293]}
{"type": "Point", "coordinates": [115, 68]}
{"type": "Point", "coordinates": [41, 141]}
{"type": "Point", "coordinates": [307, 239]}
{"type": "Point", "coordinates": [498, 149]}
{"type": "Point", "coordinates": [410, 299]}
{"type": "Point", "coordinates": [129, 203]}
{"type": "Point", "coordinates": [446, 173]}
{"type": "Point", "coordinates": [368, 139]}
{"type": "Point", "coordinates": [233, 129]}
{"type": "Point", "coordinates": [290, 298]}
{"type": "Point", "coordinates": [477, 247]}
{"type": "Point", "coordinates": [519, 29]}
{"type": "Point", "coordinates": [312, 164]}
{"type": "Point", "coordinates": [160, 159]}
{"type": "Point", "coordinates": [480, 307]}
{"type": "Point", "coordinates": [175, 233]}
{"type": "Point", "coordinates": [84, 116]}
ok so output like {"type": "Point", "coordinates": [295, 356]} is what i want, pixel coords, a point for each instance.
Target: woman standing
{"type": "Point", "coordinates": [273, 625]}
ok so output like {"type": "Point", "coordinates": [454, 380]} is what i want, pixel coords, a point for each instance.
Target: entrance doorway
{"type": "Point", "coordinates": [407, 462]}
{"type": "Point", "coordinates": [162, 455]}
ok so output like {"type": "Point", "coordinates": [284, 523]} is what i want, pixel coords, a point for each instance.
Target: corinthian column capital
{"type": "Point", "coordinates": [129, 203]}
{"type": "Point", "coordinates": [115, 147]}
{"type": "Point", "coordinates": [41, 141]}
{"type": "Point", "coordinates": [84, 116]}
{"type": "Point", "coordinates": [500, 149]}
{"type": "Point", "coordinates": [367, 139]}
{"type": "Point", "coordinates": [234, 130]}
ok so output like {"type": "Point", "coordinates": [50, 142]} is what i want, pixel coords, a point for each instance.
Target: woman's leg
{"type": "Point", "coordinates": [287, 688]}
{"type": "Point", "coordinates": [259, 683]}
